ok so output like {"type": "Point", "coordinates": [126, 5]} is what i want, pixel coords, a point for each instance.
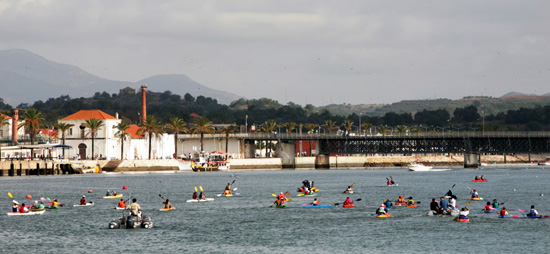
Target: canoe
{"type": "Point", "coordinates": [484, 180]}
{"type": "Point", "coordinates": [167, 209]}
{"type": "Point", "coordinates": [387, 215]}
{"type": "Point", "coordinates": [480, 198]}
{"type": "Point", "coordinates": [87, 204]}
{"type": "Point", "coordinates": [306, 195]}
{"type": "Point", "coordinates": [116, 196]}
{"type": "Point", "coordinates": [29, 213]}
{"type": "Point", "coordinates": [280, 206]}
{"type": "Point", "coordinates": [393, 185]}
{"type": "Point", "coordinates": [317, 206]}
{"type": "Point", "coordinates": [201, 200]}
{"type": "Point", "coordinates": [349, 206]}
{"type": "Point", "coordinates": [413, 205]}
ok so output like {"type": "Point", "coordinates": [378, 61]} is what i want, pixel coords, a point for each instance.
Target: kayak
{"type": "Point", "coordinates": [480, 198]}
{"type": "Point", "coordinates": [280, 206]}
{"type": "Point", "coordinates": [115, 196]}
{"type": "Point", "coordinates": [488, 211]}
{"type": "Point", "coordinates": [484, 180]}
{"type": "Point", "coordinates": [230, 195]}
{"type": "Point", "coordinates": [387, 215]}
{"type": "Point", "coordinates": [533, 217]}
{"type": "Point", "coordinates": [312, 189]}
{"type": "Point", "coordinates": [316, 206]}
{"type": "Point", "coordinates": [393, 185]}
{"type": "Point", "coordinates": [348, 192]}
{"type": "Point", "coordinates": [28, 213]}
{"type": "Point", "coordinates": [505, 216]}
{"type": "Point", "coordinates": [463, 220]}
{"type": "Point", "coordinates": [87, 204]}
{"type": "Point", "coordinates": [400, 203]}
{"type": "Point", "coordinates": [201, 200]}
{"type": "Point", "coordinates": [349, 206]}
{"type": "Point", "coordinates": [304, 195]}
{"type": "Point", "coordinates": [413, 205]}
{"type": "Point", "coordinates": [167, 209]}
{"type": "Point", "coordinates": [52, 207]}
{"type": "Point", "coordinates": [122, 208]}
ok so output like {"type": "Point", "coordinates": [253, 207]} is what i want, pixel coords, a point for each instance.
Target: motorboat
{"type": "Point", "coordinates": [415, 166]}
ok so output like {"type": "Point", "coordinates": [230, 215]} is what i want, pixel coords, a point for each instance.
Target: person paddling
{"type": "Point", "coordinates": [23, 208]}
{"type": "Point", "coordinates": [348, 201]}
{"type": "Point", "coordinates": [41, 205]}
{"type": "Point", "coordinates": [533, 212]}
{"type": "Point", "coordinates": [135, 208]}
{"type": "Point", "coordinates": [55, 204]}
{"type": "Point", "coordinates": [14, 207]}
{"type": "Point", "coordinates": [392, 181]}
{"type": "Point", "coordinates": [83, 200]}
{"type": "Point", "coordinates": [503, 212]}
{"type": "Point", "coordinates": [400, 200]}
{"type": "Point", "coordinates": [202, 196]}
{"type": "Point", "coordinates": [167, 204]}
{"type": "Point", "coordinates": [495, 204]}
{"type": "Point", "coordinates": [487, 207]}
{"type": "Point", "coordinates": [443, 205]}
{"type": "Point", "coordinates": [411, 201]}
{"type": "Point", "coordinates": [463, 215]}
{"type": "Point", "coordinates": [388, 204]}
{"type": "Point", "coordinates": [315, 202]}
{"type": "Point", "coordinates": [121, 203]}
{"type": "Point", "coordinates": [474, 193]}
{"type": "Point", "coordinates": [227, 191]}
{"type": "Point", "coordinates": [195, 196]}
{"type": "Point", "coordinates": [449, 193]}
{"type": "Point", "coordinates": [434, 206]}
{"type": "Point", "coordinates": [452, 202]}
{"type": "Point", "coordinates": [381, 210]}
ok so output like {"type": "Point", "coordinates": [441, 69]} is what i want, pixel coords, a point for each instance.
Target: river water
{"type": "Point", "coordinates": [245, 224]}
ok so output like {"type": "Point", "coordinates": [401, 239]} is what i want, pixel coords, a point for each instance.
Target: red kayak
{"type": "Point", "coordinates": [480, 180]}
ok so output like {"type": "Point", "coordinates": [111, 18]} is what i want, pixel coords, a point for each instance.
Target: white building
{"type": "Point", "coordinates": [6, 130]}
{"type": "Point", "coordinates": [106, 145]}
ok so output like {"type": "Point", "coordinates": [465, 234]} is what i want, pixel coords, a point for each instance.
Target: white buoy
{"type": "Point", "coordinates": [514, 189]}
{"type": "Point", "coordinates": [542, 194]}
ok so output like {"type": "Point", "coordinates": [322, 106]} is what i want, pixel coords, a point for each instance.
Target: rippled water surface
{"type": "Point", "coordinates": [245, 224]}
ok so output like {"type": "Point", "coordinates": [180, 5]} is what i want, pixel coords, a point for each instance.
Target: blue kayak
{"type": "Point", "coordinates": [532, 217]}
{"type": "Point", "coordinates": [317, 206]}
{"type": "Point", "coordinates": [488, 211]}
{"type": "Point", "coordinates": [393, 185]}
{"type": "Point", "coordinates": [505, 216]}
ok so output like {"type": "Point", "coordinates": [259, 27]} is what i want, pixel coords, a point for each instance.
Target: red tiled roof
{"type": "Point", "coordinates": [6, 116]}
{"type": "Point", "coordinates": [89, 114]}
{"type": "Point", "coordinates": [133, 131]}
{"type": "Point", "coordinates": [49, 132]}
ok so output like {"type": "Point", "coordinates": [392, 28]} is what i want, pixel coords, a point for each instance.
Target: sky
{"type": "Point", "coordinates": [307, 52]}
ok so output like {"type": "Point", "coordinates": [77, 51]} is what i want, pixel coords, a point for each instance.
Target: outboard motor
{"type": "Point", "coordinates": [147, 222]}
{"type": "Point", "coordinates": [115, 223]}
{"type": "Point", "coordinates": [133, 221]}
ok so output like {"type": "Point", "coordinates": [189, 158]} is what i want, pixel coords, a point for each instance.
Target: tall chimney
{"type": "Point", "coordinates": [143, 104]}
{"type": "Point", "coordinates": [14, 125]}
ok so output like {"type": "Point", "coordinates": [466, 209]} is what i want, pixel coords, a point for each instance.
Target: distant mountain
{"type": "Point", "coordinates": [34, 78]}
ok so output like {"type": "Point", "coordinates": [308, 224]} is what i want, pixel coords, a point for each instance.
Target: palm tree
{"type": "Point", "coordinates": [401, 129]}
{"type": "Point", "coordinates": [63, 127]}
{"type": "Point", "coordinates": [310, 127]}
{"type": "Point", "coordinates": [289, 127]}
{"type": "Point", "coordinates": [382, 130]}
{"type": "Point", "coordinates": [94, 125]}
{"type": "Point", "coordinates": [330, 125]}
{"type": "Point", "coordinates": [32, 120]}
{"type": "Point", "coordinates": [176, 125]}
{"type": "Point", "coordinates": [348, 124]}
{"type": "Point", "coordinates": [227, 130]}
{"type": "Point", "coordinates": [366, 126]}
{"type": "Point", "coordinates": [151, 127]}
{"type": "Point", "coordinates": [202, 125]}
{"type": "Point", "coordinates": [269, 127]}
{"type": "Point", "coordinates": [121, 133]}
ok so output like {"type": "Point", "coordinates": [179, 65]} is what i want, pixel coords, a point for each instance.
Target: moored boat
{"type": "Point", "coordinates": [419, 167]}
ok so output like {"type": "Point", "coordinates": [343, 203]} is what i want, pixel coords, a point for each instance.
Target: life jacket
{"type": "Point", "coordinates": [532, 213]}
{"type": "Point", "coordinates": [348, 202]}
{"type": "Point", "coordinates": [227, 192]}
{"type": "Point", "coordinates": [83, 201]}
{"type": "Point", "coordinates": [381, 210]}
{"type": "Point", "coordinates": [55, 204]}
{"type": "Point", "coordinates": [15, 209]}
{"type": "Point", "coordinates": [503, 212]}
{"type": "Point", "coordinates": [495, 205]}
{"type": "Point", "coordinates": [121, 204]}
{"type": "Point", "coordinates": [488, 207]}
{"type": "Point", "coordinates": [389, 183]}
{"type": "Point", "coordinates": [195, 195]}
{"type": "Point", "coordinates": [22, 209]}
{"type": "Point", "coordinates": [410, 202]}
{"type": "Point", "coordinates": [316, 202]}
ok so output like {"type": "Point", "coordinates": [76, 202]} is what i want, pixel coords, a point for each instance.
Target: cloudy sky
{"type": "Point", "coordinates": [316, 52]}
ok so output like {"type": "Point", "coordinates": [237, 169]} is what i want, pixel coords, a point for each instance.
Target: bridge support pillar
{"type": "Point", "coordinates": [471, 160]}
{"type": "Point", "coordinates": [249, 149]}
{"type": "Point", "coordinates": [287, 153]}
{"type": "Point", "coordinates": [322, 161]}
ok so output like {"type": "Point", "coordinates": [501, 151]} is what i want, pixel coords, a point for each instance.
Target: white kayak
{"type": "Point", "coordinates": [29, 213]}
{"type": "Point", "coordinates": [201, 200]}
{"type": "Point", "coordinates": [87, 204]}
{"type": "Point", "coordinates": [122, 208]}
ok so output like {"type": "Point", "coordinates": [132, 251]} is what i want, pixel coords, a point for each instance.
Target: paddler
{"type": "Point", "coordinates": [202, 196]}
{"type": "Point", "coordinates": [400, 200]}
{"type": "Point", "coordinates": [495, 204]}
{"type": "Point", "coordinates": [195, 196]}
{"type": "Point", "coordinates": [348, 201]}
{"type": "Point", "coordinates": [449, 193]}
{"type": "Point", "coordinates": [452, 202]}
{"type": "Point", "coordinates": [41, 205]}
{"type": "Point", "coordinates": [227, 191]}
{"type": "Point", "coordinates": [476, 178]}
{"type": "Point", "coordinates": [35, 205]}
{"type": "Point", "coordinates": [83, 200]}
{"type": "Point", "coordinates": [388, 204]}
{"type": "Point", "coordinates": [388, 181]}
{"type": "Point", "coordinates": [443, 205]}
{"type": "Point", "coordinates": [167, 204]}
{"type": "Point", "coordinates": [349, 189]}
{"type": "Point", "coordinates": [463, 215]}
{"type": "Point", "coordinates": [14, 207]}
{"type": "Point", "coordinates": [482, 177]}
{"type": "Point", "coordinates": [381, 210]}
{"type": "Point", "coordinates": [23, 208]}
{"type": "Point", "coordinates": [392, 181]}
{"type": "Point", "coordinates": [121, 203]}
{"type": "Point", "coordinates": [411, 201]}
{"type": "Point", "coordinates": [108, 193]}
{"type": "Point", "coordinates": [532, 212]}
{"type": "Point", "coordinates": [54, 204]}
{"type": "Point", "coordinates": [315, 202]}
{"type": "Point", "coordinates": [474, 193]}
{"type": "Point", "coordinates": [434, 206]}
{"type": "Point", "coordinates": [487, 207]}
{"type": "Point", "coordinates": [503, 212]}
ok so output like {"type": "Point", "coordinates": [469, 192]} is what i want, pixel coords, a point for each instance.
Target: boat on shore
{"type": "Point", "coordinates": [215, 161]}
{"type": "Point", "coordinates": [544, 162]}
{"type": "Point", "coordinates": [419, 167]}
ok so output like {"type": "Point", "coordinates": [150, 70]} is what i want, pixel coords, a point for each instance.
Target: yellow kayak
{"type": "Point", "coordinates": [167, 209]}
{"type": "Point", "coordinates": [115, 196]}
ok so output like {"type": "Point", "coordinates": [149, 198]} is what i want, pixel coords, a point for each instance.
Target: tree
{"type": "Point", "coordinates": [94, 125]}
{"type": "Point", "coordinates": [382, 130]}
{"type": "Point", "coordinates": [176, 125]}
{"type": "Point", "coordinates": [202, 125]}
{"type": "Point", "coordinates": [310, 127]}
{"type": "Point", "coordinates": [227, 130]}
{"type": "Point", "coordinates": [151, 127]}
{"type": "Point", "coordinates": [348, 124]}
{"type": "Point", "coordinates": [401, 129]}
{"type": "Point", "coordinates": [366, 126]}
{"type": "Point", "coordinates": [63, 128]}
{"type": "Point", "coordinates": [269, 127]}
{"type": "Point", "coordinates": [467, 114]}
{"type": "Point", "coordinates": [32, 121]}
{"type": "Point", "coordinates": [330, 125]}
{"type": "Point", "coordinates": [121, 133]}
{"type": "Point", "coordinates": [289, 127]}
